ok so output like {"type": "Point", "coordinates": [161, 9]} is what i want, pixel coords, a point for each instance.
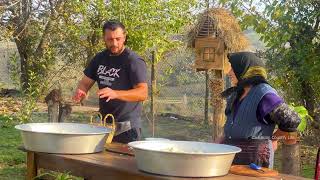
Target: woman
{"type": "Point", "coordinates": [253, 110]}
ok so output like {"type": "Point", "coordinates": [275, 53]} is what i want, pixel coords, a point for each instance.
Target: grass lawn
{"type": "Point", "coordinates": [12, 160]}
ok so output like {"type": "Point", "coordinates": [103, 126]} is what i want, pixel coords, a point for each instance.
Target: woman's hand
{"type": "Point", "coordinates": [218, 140]}
{"type": "Point", "coordinates": [288, 138]}
{"type": "Point", "coordinates": [274, 145]}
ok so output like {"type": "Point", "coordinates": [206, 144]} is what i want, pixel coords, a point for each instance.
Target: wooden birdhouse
{"type": "Point", "coordinates": [209, 48]}
{"type": "Point", "coordinates": [216, 33]}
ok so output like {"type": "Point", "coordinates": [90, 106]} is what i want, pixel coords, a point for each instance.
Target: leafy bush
{"type": "Point", "coordinates": [304, 115]}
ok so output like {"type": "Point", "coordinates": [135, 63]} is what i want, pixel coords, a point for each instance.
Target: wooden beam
{"type": "Point", "coordinates": [218, 104]}
{"type": "Point", "coordinates": [153, 90]}
{"type": "Point", "coordinates": [206, 101]}
{"type": "Point", "coordinates": [32, 169]}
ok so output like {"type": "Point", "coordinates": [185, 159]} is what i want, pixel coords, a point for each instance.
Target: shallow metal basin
{"type": "Point", "coordinates": [63, 138]}
{"type": "Point", "coordinates": [184, 158]}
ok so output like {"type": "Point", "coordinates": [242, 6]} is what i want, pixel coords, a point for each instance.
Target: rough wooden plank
{"type": "Point", "coordinates": [93, 166]}
{"type": "Point", "coordinates": [245, 170]}
{"type": "Point", "coordinates": [114, 166]}
{"type": "Point", "coordinates": [119, 148]}
{"type": "Point", "coordinates": [108, 165]}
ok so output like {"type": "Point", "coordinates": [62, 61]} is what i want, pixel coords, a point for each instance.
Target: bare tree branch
{"type": "Point", "coordinates": [22, 18]}
{"type": "Point", "coordinates": [7, 5]}
{"type": "Point", "coordinates": [316, 25]}
{"type": "Point", "coordinates": [47, 28]}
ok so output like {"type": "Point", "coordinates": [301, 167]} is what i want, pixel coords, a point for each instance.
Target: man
{"type": "Point", "coordinates": [121, 77]}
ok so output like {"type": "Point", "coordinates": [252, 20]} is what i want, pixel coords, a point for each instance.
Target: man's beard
{"type": "Point", "coordinates": [117, 52]}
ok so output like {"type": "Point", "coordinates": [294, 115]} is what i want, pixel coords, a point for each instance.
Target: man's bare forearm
{"type": "Point", "coordinates": [85, 84]}
{"type": "Point", "coordinates": [133, 95]}
{"type": "Point", "coordinates": [138, 93]}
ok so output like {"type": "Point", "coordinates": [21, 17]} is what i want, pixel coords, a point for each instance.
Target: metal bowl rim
{"type": "Point", "coordinates": [105, 130]}
{"type": "Point", "coordinates": [132, 144]}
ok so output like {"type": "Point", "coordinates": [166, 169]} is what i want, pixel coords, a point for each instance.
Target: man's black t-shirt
{"type": "Point", "coordinates": [120, 72]}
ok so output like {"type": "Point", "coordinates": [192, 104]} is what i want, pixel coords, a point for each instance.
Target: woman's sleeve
{"type": "Point", "coordinates": [266, 105]}
{"type": "Point", "coordinates": [286, 118]}
{"type": "Point", "coordinates": [273, 109]}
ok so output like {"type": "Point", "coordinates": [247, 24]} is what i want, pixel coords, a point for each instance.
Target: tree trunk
{"type": "Point", "coordinates": [24, 76]}
{"type": "Point", "coordinates": [291, 159]}
{"type": "Point", "coordinates": [90, 55]}
{"type": "Point", "coordinates": [309, 98]}
{"type": "Point", "coordinates": [24, 66]}
{"type": "Point", "coordinates": [93, 40]}
{"type": "Point", "coordinates": [20, 20]}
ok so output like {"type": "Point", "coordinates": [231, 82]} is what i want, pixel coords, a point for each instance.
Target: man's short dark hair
{"type": "Point", "coordinates": [113, 25]}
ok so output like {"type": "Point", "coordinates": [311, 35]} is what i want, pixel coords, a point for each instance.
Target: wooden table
{"type": "Point", "coordinates": [107, 165]}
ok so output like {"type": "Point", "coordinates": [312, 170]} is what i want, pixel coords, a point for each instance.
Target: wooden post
{"type": "Point", "coordinates": [218, 104]}
{"type": "Point", "coordinates": [53, 101]}
{"type": "Point", "coordinates": [32, 169]}
{"type": "Point", "coordinates": [53, 111]}
{"type": "Point", "coordinates": [153, 90]}
{"type": "Point", "coordinates": [64, 111]}
{"type": "Point", "coordinates": [291, 159]}
{"type": "Point", "coordinates": [206, 101]}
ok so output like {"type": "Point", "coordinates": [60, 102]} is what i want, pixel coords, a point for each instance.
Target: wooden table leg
{"type": "Point", "coordinates": [32, 168]}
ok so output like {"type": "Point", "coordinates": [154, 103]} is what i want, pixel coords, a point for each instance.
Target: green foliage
{"type": "Point", "coordinates": [14, 69]}
{"type": "Point", "coordinates": [5, 120]}
{"type": "Point", "coordinates": [290, 30]}
{"type": "Point", "coordinates": [80, 31]}
{"type": "Point", "coordinates": [67, 34]}
{"type": "Point", "coordinates": [35, 32]}
{"type": "Point", "coordinates": [30, 96]}
{"type": "Point", "coordinates": [151, 25]}
{"type": "Point", "coordinates": [11, 158]}
{"type": "Point", "coordinates": [56, 176]}
{"type": "Point", "coordinates": [304, 116]}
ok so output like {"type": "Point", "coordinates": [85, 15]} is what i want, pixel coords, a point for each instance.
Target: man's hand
{"type": "Point", "coordinates": [137, 94]}
{"type": "Point", "coordinates": [79, 95]}
{"type": "Point", "coordinates": [107, 93]}
{"type": "Point", "coordinates": [83, 87]}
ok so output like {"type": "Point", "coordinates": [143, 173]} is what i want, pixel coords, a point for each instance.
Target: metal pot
{"type": "Point", "coordinates": [63, 138]}
{"type": "Point", "coordinates": [184, 158]}
{"type": "Point", "coordinates": [156, 139]}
